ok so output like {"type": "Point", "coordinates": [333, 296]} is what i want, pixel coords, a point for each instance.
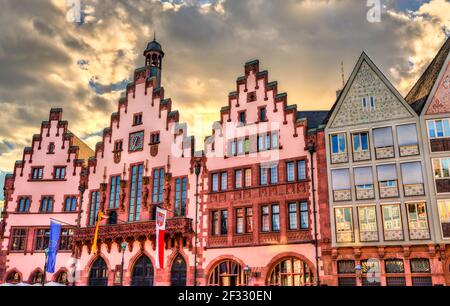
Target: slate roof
{"type": "Point", "coordinates": [314, 118]}
{"type": "Point", "coordinates": [418, 95]}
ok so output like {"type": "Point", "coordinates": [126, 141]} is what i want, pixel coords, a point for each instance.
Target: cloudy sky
{"type": "Point", "coordinates": [49, 60]}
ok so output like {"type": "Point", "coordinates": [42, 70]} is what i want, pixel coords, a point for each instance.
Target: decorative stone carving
{"type": "Point", "coordinates": [344, 237]}
{"type": "Point", "coordinates": [368, 236]}
{"type": "Point", "coordinates": [411, 150]}
{"type": "Point", "coordinates": [414, 190]}
{"type": "Point", "coordinates": [365, 193]}
{"type": "Point", "coordinates": [388, 192]}
{"type": "Point", "coordinates": [361, 156]}
{"type": "Point", "coordinates": [393, 235]}
{"type": "Point", "coordinates": [419, 234]}
{"type": "Point", "coordinates": [385, 152]}
{"type": "Point", "coordinates": [339, 158]}
{"type": "Point", "coordinates": [342, 195]}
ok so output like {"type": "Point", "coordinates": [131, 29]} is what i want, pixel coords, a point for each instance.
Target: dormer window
{"type": "Point", "coordinates": [154, 138]}
{"type": "Point", "coordinates": [51, 148]}
{"type": "Point", "coordinates": [137, 119]}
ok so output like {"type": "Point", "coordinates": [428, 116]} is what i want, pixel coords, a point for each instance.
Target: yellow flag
{"type": "Point", "coordinates": [94, 245]}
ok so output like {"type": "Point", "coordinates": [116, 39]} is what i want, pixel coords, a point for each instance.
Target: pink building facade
{"type": "Point", "coordinates": [275, 198]}
{"type": "Point", "coordinates": [44, 186]}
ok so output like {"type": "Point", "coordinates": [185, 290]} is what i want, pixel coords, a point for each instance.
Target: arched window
{"type": "Point", "coordinates": [178, 273]}
{"type": "Point", "coordinates": [37, 277]}
{"type": "Point", "coordinates": [227, 273]}
{"type": "Point", "coordinates": [291, 272]}
{"type": "Point", "coordinates": [98, 276]}
{"type": "Point", "coordinates": [13, 278]}
{"type": "Point", "coordinates": [62, 278]}
{"type": "Point", "coordinates": [142, 272]}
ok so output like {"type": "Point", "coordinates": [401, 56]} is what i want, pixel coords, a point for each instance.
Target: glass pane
{"type": "Point", "coordinates": [383, 137]}
{"type": "Point", "coordinates": [412, 173]}
{"type": "Point", "coordinates": [407, 135]}
{"type": "Point", "coordinates": [341, 179]}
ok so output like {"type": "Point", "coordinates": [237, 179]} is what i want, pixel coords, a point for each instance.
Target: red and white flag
{"type": "Point", "coordinates": [161, 215]}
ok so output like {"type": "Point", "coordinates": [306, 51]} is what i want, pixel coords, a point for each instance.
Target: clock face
{"type": "Point", "coordinates": [136, 141]}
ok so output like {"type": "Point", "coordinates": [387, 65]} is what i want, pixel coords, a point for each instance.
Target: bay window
{"type": "Point", "coordinates": [384, 143]}
{"type": "Point", "coordinates": [368, 228]}
{"type": "Point", "coordinates": [344, 224]}
{"type": "Point", "coordinates": [392, 222]}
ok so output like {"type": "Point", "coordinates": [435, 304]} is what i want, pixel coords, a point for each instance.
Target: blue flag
{"type": "Point", "coordinates": [55, 232]}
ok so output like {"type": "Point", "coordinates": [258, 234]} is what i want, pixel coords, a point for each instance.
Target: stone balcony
{"type": "Point", "coordinates": [419, 234]}
{"type": "Point", "coordinates": [130, 232]}
{"type": "Point", "coordinates": [365, 193]}
{"type": "Point", "coordinates": [411, 150]}
{"type": "Point", "coordinates": [361, 156]}
{"type": "Point", "coordinates": [385, 152]}
{"type": "Point", "coordinates": [443, 185]}
{"type": "Point", "coordinates": [345, 237]}
{"type": "Point", "coordinates": [368, 236]}
{"type": "Point", "coordinates": [342, 195]}
{"type": "Point", "coordinates": [412, 190]}
{"type": "Point", "coordinates": [440, 144]}
{"type": "Point", "coordinates": [339, 158]}
{"type": "Point", "coordinates": [389, 192]}
{"type": "Point", "coordinates": [393, 235]}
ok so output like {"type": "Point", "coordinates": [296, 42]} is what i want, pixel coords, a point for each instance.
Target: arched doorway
{"type": "Point", "coordinates": [98, 276]}
{"type": "Point", "coordinates": [178, 273]}
{"type": "Point", "coordinates": [36, 277]}
{"type": "Point", "coordinates": [291, 271]}
{"type": "Point", "coordinates": [13, 278]}
{"type": "Point", "coordinates": [227, 273]}
{"type": "Point", "coordinates": [143, 272]}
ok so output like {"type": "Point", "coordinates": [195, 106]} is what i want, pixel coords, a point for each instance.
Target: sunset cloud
{"type": "Point", "coordinates": [47, 61]}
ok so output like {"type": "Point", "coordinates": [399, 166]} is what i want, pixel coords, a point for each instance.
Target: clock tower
{"type": "Point", "coordinates": [153, 59]}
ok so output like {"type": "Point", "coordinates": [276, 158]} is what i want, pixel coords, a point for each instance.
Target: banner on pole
{"type": "Point", "coordinates": [55, 232]}
{"type": "Point", "coordinates": [161, 215]}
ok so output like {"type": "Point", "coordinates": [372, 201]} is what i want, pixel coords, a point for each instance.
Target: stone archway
{"type": "Point", "coordinates": [98, 275]}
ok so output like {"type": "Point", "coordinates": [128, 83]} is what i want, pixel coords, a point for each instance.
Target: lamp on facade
{"type": "Point", "coordinates": [197, 174]}
{"type": "Point", "coordinates": [123, 246]}
{"type": "Point", "coordinates": [247, 271]}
